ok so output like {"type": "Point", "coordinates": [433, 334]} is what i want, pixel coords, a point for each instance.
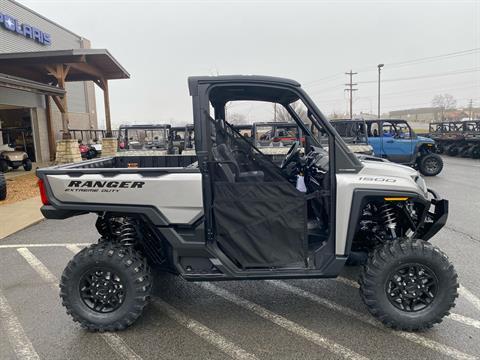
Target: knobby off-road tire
{"type": "Point", "coordinates": [430, 164]}
{"type": "Point", "coordinates": [122, 275]}
{"type": "Point", "coordinates": [379, 274]}
{"type": "Point", "coordinates": [3, 187]}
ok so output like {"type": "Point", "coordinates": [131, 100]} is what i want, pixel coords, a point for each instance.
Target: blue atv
{"type": "Point", "coordinates": [395, 140]}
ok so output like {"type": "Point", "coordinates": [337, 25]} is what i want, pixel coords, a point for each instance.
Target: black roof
{"type": "Point", "coordinates": [194, 81]}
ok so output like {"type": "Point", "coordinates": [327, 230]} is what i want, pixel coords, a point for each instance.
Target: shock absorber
{"type": "Point", "coordinates": [128, 232]}
{"type": "Point", "coordinates": [388, 216]}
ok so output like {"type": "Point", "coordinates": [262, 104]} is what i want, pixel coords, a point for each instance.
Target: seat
{"type": "Point", "coordinates": [229, 166]}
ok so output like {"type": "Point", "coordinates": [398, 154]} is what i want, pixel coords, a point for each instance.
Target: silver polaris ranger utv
{"type": "Point", "coordinates": [237, 215]}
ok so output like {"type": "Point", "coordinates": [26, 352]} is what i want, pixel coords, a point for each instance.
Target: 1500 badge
{"type": "Point", "coordinates": [102, 186]}
{"type": "Point", "coordinates": [378, 179]}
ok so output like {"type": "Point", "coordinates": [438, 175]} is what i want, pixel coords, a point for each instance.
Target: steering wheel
{"type": "Point", "coordinates": [292, 154]}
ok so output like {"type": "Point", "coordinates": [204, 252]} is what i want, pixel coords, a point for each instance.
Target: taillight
{"type": "Point", "coordinates": [43, 193]}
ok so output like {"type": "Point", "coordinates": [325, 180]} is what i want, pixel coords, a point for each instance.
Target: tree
{"type": "Point", "coordinates": [237, 119]}
{"type": "Point", "coordinates": [281, 114]}
{"type": "Point", "coordinates": [444, 102]}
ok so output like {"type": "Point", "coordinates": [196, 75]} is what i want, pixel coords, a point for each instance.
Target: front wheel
{"type": "Point", "coordinates": [106, 286]}
{"type": "Point", "coordinates": [430, 164]}
{"type": "Point", "coordinates": [409, 284]}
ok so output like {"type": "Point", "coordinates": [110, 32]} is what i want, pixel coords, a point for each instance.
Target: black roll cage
{"type": "Point", "coordinates": [341, 159]}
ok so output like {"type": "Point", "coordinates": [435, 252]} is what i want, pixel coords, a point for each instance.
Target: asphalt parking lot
{"type": "Point", "coordinates": [301, 319]}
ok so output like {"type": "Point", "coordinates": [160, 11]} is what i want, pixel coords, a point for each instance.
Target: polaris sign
{"type": "Point", "coordinates": [30, 32]}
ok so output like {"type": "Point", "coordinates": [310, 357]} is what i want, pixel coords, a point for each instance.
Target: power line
{"type": "Point", "coordinates": [456, 72]}
{"type": "Point", "coordinates": [350, 89]}
{"type": "Point", "coordinates": [405, 63]}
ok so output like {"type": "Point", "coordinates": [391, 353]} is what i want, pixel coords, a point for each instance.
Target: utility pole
{"type": "Point", "coordinates": [350, 89]}
{"type": "Point", "coordinates": [380, 66]}
{"type": "Point", "coordinates": [470, 113]}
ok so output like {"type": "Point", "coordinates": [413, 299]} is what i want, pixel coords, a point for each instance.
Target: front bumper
{"type": "Point", "coordinates": [434, 219]}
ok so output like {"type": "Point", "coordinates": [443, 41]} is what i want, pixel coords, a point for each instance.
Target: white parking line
{"type": "Point", "coordinates": [453, 316]}
{"type": "Point", "coordinates": [420, 340]}
{"type": "Point", "coordinates": [119, 346]}
{"type": "Point", "coordinates": [205, 333]}
{"type": "Point", "coordinates": [22, 346]}
{"type": "Point", "coordinates": [15, 246]}
{"type": "Point", "coordinates": [465, 320]}
{"type": "Point", "coordinates": [73, 248]}
{"type": "Point", "coordinates": [475, 301]}
{"type": "Point", "coordinates": [284, 323]}
{"type": "Point", "coordinates": [113, 340]}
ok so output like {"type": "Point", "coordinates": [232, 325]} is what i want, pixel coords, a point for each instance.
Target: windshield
{"type": "Point", "coordinates": [142, 139]}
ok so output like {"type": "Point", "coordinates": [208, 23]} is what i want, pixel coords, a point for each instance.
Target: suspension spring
{"type": "Point", "coordinates": [128, 232]}
{"type": "Point", "coordinates": [389, 218]}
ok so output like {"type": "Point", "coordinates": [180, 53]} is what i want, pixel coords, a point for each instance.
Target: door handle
{"type": "Point", "coordinates": [389, 141]}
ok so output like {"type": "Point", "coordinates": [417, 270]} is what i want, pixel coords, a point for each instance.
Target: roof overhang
{"type": "Point", "coordinates": [13, 82]}
{"type": "Point", "coordinates": [83, 64]}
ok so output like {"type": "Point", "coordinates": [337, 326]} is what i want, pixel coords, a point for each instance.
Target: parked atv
{"type": "Point", "coordinates": [87, 151]}
{"type": "Point", "coordinates": [237, 215]}
{"type": "Point", "coordinates": [11, 158]}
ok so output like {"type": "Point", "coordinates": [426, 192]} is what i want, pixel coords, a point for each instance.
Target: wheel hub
{"type": "Point", "coordinates": [102, 290]}
{"type": "Point", "coordinates": [412, 287]}
{"type": "Point", "coordinates": [431, 165]}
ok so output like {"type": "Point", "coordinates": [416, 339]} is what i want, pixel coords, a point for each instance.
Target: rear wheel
{"type": "Point", "coordinates": [430, 164]}
{"type": "Point", "coordinates": [105, 287]}
{"type": "Point", "coordinates": [409, 284]}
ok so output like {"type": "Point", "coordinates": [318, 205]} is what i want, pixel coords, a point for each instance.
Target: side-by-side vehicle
{"type": "Point", "coordinates": [237, 215]}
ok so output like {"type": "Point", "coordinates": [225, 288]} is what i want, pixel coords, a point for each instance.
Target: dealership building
{"type": "Point", "coordinates": [48, 76]}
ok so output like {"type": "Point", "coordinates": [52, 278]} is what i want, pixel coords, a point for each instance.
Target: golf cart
{"type": "Point", "coordinates": [237, 215]}
{"type": "Point", "coordinates": [9, 155]}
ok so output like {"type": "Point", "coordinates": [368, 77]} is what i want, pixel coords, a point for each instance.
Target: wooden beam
{"type": "Point", "coordinates": [87, 68]}
{"type": "Point", "coordinates": [51, 134]}
{"type": "Point", "coordinates": [58, 101]}
{"type": "Point", "coordinates": [106, 100]}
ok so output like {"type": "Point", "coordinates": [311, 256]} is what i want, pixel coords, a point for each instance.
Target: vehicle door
{"type": "Point", "coordinates": [259, 215]}
{"type": "Point", "coordinates": [397, 144]}
{"type": "Point", "coordinates": [374, 138]}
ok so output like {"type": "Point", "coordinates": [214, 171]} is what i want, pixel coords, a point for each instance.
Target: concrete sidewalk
{"type": "Point", "coordinates": [19, 215]}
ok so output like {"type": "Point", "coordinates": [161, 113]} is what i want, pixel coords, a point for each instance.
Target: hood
{"type": "Point", "coordinates": [425, 139]}
{"type": "Point", "coordinates": [388, 168]}
{"type": "Point", "coordinates": [14, 155]}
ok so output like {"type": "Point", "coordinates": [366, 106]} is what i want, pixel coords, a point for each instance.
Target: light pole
{"type": "Point", "coordinates": [380, 66]}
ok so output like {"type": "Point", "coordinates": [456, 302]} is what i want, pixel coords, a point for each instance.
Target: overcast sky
{"type": "Point", "coordinates": [162, 42]}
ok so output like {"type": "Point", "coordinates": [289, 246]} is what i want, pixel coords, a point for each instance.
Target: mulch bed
{"type": "Point", "coordinates": [21, 188]}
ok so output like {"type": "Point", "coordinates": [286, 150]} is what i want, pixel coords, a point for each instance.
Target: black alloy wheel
{"type": "Point", "coordinates": [412, 287]}
{"type": "Point", "coordinates": [102, 290]}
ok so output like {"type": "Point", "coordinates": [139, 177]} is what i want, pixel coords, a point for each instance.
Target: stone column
{"type": "Point", "coordinates": [67, 151]}
{"type": "Point", "coordinates": [109, 147]}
